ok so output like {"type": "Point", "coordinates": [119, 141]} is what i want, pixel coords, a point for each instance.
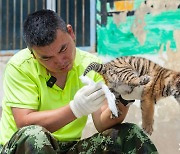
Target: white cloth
{"type": "Point", "coordinates": [109, 95]}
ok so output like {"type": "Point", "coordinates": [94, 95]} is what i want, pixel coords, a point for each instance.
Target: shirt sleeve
{"type": "Point", "coordinates": [20, 90]}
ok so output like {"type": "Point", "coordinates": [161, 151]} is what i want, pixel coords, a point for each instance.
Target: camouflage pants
{"type": "Point", "coordinates": [124, 138]}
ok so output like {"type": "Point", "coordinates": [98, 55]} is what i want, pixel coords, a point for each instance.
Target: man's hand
{"type": "Point", "coordinates": [87, 100]}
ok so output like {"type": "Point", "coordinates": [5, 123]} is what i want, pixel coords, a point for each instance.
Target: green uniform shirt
{"type": "Point", "coordinates": [25, 87]}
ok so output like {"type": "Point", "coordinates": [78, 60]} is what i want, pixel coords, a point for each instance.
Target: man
{"type": "Point", "coordinates": [45, 106]}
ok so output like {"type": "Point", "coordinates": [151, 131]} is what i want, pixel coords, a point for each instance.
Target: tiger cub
{"type": "Point", "coordinates": [132, 78]}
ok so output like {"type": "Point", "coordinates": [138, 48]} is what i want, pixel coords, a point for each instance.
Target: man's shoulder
{"type": "Point", "coordinates": [21, 57]}
{"type": "Point", "coordinates": [85, 57]}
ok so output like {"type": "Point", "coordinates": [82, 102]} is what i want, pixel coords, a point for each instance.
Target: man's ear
{"type": "Point", "coordinates": [71, 32]}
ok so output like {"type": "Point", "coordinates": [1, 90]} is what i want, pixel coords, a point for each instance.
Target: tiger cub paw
{"type": "Point", "coordinates": [148, 128]}
{"type": "Point", "coordinates": [144, 79]}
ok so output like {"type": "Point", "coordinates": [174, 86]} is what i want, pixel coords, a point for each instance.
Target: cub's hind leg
{"type": "Point", "coordinates": [127, 75]}
{"type": "Point", "coordinates": [147, 107]}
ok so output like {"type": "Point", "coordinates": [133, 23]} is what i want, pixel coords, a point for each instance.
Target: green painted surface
{"type": "Point", "coordinates": [117, 41]}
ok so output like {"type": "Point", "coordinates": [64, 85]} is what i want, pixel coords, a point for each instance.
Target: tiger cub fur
{"type": "Point", "coordinates": [132, 78]}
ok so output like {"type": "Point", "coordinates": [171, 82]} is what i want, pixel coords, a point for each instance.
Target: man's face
{"type": "Point", "coordinates": [58, 57]}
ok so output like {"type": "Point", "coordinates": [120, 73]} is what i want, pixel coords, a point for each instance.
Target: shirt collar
{"type": "Point", "coordinates": [77, 60]}
{"type": "Point", "coordinates": [41, 69]}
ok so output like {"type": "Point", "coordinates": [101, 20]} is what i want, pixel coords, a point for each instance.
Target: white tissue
{"type": "Point", "coordinates": [109, 95]}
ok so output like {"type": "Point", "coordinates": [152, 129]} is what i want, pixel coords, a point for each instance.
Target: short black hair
{"type": "Point", "coordinates": [40, 28]}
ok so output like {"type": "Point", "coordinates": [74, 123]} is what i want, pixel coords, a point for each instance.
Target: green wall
{"type": "Point", "coordinates": [118, 40]}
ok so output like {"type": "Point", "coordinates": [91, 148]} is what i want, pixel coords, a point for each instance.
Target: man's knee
{"type": "Point", "coordinates": [31, 138]}
{"type": "Point", "coordinates": [32, 130]}
{"type": "Point", "coordinates": [34, 134]}
{"type": "Point", "coordinates": [123, 131]}
{"type": "Point", "coordinates": [131, 126]}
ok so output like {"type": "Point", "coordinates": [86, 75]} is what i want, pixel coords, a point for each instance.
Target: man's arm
{"type": "Point", "coordinates": [87, 100]}
{"type": "Point", "coordinates": [102, 120]}
{"type": "Point", "coordinates": [52, 120]}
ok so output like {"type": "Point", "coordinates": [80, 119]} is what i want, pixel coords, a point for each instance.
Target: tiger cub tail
{"type": "Point", "coordinates": [93, 66]}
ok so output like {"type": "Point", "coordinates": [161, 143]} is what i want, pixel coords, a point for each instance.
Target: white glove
{"type": "Point", "coordinates": [87, 100]}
